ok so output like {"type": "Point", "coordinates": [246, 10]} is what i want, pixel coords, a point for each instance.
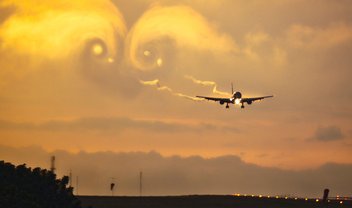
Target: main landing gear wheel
{"type": "Point", "coordinates": [242, 106]}
{"type": "Point", "coordinates": [227, 106]}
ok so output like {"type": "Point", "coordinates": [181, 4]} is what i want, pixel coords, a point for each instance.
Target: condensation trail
{"type": "Point", "coordinates": [159, 87]}
{"type": "Point", "coordinates": [207, 83]}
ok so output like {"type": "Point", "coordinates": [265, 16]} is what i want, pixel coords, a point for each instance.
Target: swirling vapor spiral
{"type": "Point", "coordinates": [180, 25]}
{"type": "Point", "coordinates": [59, 29]}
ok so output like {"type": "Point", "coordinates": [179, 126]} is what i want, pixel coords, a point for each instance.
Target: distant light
{"type": "Point", "coordinates": [147, 53]}
{"type": "Point", "coordinates": [159, 62]}
{"type": "Point", "coordinates": [252, 195]}
{"type": "Point", "coordinates": [306, 199]}
{"type": "Point", "coordinates": [245, 195]}
{"type": "Point", "coordinates": [268, 196]}
{"type": "Point", "coordinates": [296, 198]}
{"type": "Point", "coordinates": [328, 200]}
{"type": "Point", "coordinates": [341, 202]}
{"type": "Point", "coordinates": [317, 200]}
{"type": "Point", "coordinates": [110, 60]}
{"type": "Point", "coordinates": [260, 196]}
{"type": "Point", "coordinates": [286, 197]}
{"type": "Point", "coordinates": [277, 197]}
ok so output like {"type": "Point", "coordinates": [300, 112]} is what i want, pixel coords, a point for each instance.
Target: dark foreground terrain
{"type": "Point", "coordinates": [206, 201]}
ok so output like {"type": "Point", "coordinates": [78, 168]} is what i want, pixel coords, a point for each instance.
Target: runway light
{"type": "Point", "coordinates": [296, 198]}
{"type": "Point", "coordinates": [306, 199]}
{"type": "Point", "coordinates": [286, 197]}
{"type": "Point", "coordinates": [277, 197]}
{"type": "Point", "coordinates": [268, 196]}
{"type": "Point", "coordinates": [317, 200]}
{"type": "Point", "coordinates": [260, 196]}
{"type": "Point", "coordinates": [341, 202]}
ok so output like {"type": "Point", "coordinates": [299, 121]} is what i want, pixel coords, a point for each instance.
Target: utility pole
{"type": "Point", "coordinates": [76, 185]}
{"type": "Point", "coordinates": [70, 178]}
{"type": "Point", "coordinates": [140, 183]}
{"type": "Point", "coordinates": [52, 166]}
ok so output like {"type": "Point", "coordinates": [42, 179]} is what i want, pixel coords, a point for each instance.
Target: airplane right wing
{"type": "Point", "coordinates": [222, 100]}
{"type": "Point", "coordinates": [250, 100]}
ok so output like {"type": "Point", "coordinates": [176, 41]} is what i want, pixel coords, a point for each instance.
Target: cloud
{"type": "Point", "coordinates": [310, 37]}
{"type": "Point", "coordinates": [168, 175]}
{"type": "Point", "coordinates": [329, 133]}
{"type": "Point", "coordinates": [115, 124]}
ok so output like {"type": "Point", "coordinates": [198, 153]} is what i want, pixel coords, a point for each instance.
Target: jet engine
{"type": "Point", "coordinates": [237, 95]}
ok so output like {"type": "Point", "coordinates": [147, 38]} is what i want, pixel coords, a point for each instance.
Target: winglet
{"type": "Point", "coordinates": [232, 88]}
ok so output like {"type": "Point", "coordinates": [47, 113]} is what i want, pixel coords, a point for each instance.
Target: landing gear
{"type": "Point", "coordinates": [227, 105]}
{"type": "Point", "coordinates": [242, 106]}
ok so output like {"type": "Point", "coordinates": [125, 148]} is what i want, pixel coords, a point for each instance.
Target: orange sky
{"type": "Point", "coordinates": [71, 77]}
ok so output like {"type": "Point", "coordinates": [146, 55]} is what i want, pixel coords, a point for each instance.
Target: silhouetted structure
{"type": "Point", "coordinates": [326, 195]}
{"type": "Point", "coordinates": [112, 186]}
{"type": "Point", "coordinates": [22, 187]}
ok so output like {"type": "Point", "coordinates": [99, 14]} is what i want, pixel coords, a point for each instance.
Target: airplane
{"type": "Point", "coordinates": [236, 99]}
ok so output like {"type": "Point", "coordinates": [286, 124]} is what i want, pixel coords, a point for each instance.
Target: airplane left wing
{"type": "Point", "coordinates": [250, 100]}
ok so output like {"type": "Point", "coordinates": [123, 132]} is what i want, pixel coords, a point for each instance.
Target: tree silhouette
{"type": "Point", "coordinates": [22, 187]}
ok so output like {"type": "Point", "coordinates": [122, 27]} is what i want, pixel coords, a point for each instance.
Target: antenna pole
{"type": "Point", "coordinates": [52, 168]}
{"type": "Point", "coordinates": [232, 87]}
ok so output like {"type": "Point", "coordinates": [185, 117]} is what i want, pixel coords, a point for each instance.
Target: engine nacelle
{"type": "Point", "coordinates": [249, 102]}
{"type": "Point", "coordinates": [222, 102]}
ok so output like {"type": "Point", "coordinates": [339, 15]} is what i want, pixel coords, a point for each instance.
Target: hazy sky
{"type": "Point", "coordinates": [95, 76]}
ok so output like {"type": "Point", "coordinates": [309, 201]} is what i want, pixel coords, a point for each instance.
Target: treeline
{"type": "Point", "coordinates": [22, 187]}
